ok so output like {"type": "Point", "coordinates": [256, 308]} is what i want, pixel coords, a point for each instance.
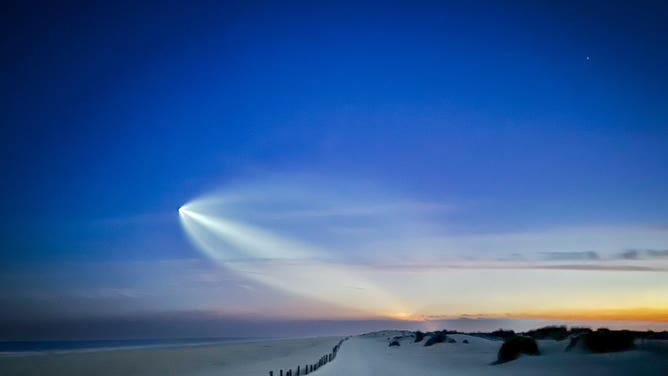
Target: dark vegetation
{"type": "Point", "coordinates": [515, 344]}
{"type": "Point", "coordinates": [650, 335]}
{"type": "Point", "coordinates": [605, 340]}
{"type": "Point", "coordinates": [503, 334]}
{"type": "Point", "coordinates": [513, 347]}
{"type": "Point", "coordinates": [419, 336]}
{"type": "Point", "coordinates": [436, 337]}
{"type": "Point", "coordinates": [578, 331]}
{"type": "Point", "coordinates": [557, 333]}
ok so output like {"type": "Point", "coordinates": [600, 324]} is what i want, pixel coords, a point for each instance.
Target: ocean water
{"type": "Point", "coordinates": [27, 348]}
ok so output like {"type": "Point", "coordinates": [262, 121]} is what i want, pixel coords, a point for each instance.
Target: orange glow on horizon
{"type": "Point", "coordinates": [609, 314]}
{"type": "Point", "coordinates": [644, 314]}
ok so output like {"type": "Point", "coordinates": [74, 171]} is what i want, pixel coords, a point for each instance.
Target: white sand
{"type": "Point", "coordinates": [230, 359]}
{"type": "Point", "coordinates": [359, 356]}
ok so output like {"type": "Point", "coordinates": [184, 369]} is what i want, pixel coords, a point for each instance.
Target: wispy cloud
{"type": "Point", "coordinates": [644, 254]}
{"type": "Point", "coordinates": [510, 265]}
{"type": "Point", "coordinates": [602, 267]}
{"type": "Point", "coordinates": [585, 255]}
{"type": "Point", "coordinates": [109, 292]}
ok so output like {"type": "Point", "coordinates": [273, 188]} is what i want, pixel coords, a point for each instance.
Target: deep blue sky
{"type": "Point", "coordinates": [533, 114]}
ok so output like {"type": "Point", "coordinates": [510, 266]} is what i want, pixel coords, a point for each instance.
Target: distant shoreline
{"type": "Point", "coordinates": [34, 348]}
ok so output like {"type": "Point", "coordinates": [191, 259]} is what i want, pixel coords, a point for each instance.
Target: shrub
{"type": "Point", "coordinates": [465, 341]}
{"type": "Point", "coordinates": [578, 331]}
{"type": "Point", "coordinates": [503, 334]}
{"type": "Point", "coordinates": [558, 333]}
{"type": "Point", "coordinates": [436, 337]}
{"type": "Point", "coordinates": [395, 343]}
{"type": "Point", "coordinates": [652, 335]}
{"type": "Point", "coordinates": [419, 336]}
{"type": "Point", "coordinates": [513, 347]}
{"type": "Point", "coordinates": [604, 340]}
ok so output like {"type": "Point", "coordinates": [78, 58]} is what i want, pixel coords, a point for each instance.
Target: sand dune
{"type": "Point", "coordinates": [371, 355]}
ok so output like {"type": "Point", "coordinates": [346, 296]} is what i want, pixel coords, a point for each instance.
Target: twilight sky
{"type": "Point", "coordinates": [335, 160]}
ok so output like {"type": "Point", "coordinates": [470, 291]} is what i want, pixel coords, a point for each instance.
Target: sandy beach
{"type": "Point", "coordinates": [363, 355]}
{"type": "Point", "coordinates": [245, 359]}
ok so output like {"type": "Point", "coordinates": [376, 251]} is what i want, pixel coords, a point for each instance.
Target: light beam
{"type": "Point", "coordinates": [283, 263]}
